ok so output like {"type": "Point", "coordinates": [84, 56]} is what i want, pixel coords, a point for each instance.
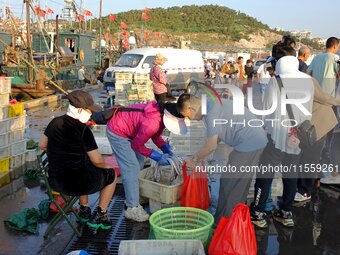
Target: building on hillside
{"type": "Point", "coordinates": [304, 34]}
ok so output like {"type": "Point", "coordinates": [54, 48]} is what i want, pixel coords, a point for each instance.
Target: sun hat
{"type": "Point", "coordinates": [173, 120]}
{"type": "Point", "coordinates": [160, 59]}
{"type": "Point", "coordinates": [82, 99]}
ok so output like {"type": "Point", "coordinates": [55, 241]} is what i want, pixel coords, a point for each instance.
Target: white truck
{"type": "Point", "coordinates": [184, 68]}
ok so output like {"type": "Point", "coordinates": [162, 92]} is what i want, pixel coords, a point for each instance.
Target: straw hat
{"type": "Point", "coordinates": [160, 59]}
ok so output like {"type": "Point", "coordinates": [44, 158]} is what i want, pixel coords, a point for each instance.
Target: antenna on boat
{"type": "Point", "coordinates": [28, 38]}
{"type": "Point", "coordinates": [100, 32]}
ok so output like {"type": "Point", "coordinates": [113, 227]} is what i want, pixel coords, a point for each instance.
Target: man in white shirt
{"type": "Point", "coordinates": [81, 75]}
{"type": "Point", "coordinates": [263, 77]}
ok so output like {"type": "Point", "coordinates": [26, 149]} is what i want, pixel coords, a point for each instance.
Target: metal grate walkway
{"type": "Point", "coordinates": [107, 242]}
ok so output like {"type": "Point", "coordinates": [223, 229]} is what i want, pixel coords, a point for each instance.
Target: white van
{"type": "Point", "coordinates": [184, 68]}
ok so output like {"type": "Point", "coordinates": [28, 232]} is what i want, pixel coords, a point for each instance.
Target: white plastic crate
{"type": "Point", "coordinates": [4, 126]}
{"type": "Point", "coordinates": [5, 85]}
{"type": "Point", "coordinates": [17, 160]}
{"type": "Point", "coordinates": [4, 99]}
{"type": "Point", "coordinates": [31, 155]}
{"type": "Point", "coordinates": [17, 123]}
{"type": "Point", "coordinates": [161, 247]}
{"type": "Point", "coordinates": [104, 146]}
{"type": "Point", "coordinates": [4, 151]}
{"type": "Point", "coordinates": [16, 135]}
{"type": "Point", "coordinates": [3, 112]}
{"type": "Point", "coordinates": [18, 147]}
{"type": "Point", "coordinates": [4, 139]}
{"type": "Point", "coordinates": [166, 194]}
{"type": "Point", "coordinates": [122, 86]}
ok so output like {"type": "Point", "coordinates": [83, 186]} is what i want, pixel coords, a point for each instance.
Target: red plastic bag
{"type": "Point", "coordinates": [111, 160]}
{"type": "Point", "coordinates": [61, 202]}
{"type": "Point", "coordinates": [195, 192]}
{"type": "Point", "coordinates": [234, 236]}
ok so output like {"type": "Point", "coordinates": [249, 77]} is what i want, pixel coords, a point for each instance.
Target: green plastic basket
{"type": "Point", "coordinates": [182, 223]}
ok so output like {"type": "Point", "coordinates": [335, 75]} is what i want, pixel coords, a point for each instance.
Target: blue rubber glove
{"type": "Point", "coordinates": [167, 149]}
{"type": "Point", "coordinates": [161, 159]}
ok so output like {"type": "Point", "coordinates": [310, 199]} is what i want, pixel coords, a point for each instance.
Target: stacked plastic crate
{"type": "Point", "coordinates": [12, 140]}
{"type": "Point", "coordinates": [143, 85]}
{"type": "Point", "coordinates": [122, 86]}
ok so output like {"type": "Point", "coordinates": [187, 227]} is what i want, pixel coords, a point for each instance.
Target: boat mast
{"type": "Point", "coordinates": [100, 33]}
{"type": "Point", "coordinates": [28, 35]}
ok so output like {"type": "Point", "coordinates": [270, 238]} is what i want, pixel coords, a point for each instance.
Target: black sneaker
{"type": "Point", "coordinates": [258, 218]}
{"type": "Point", "coordinates": [284, 217]}
{"type": "Point", "coordinates": [84, 213]}
{"type": "Point", "coordinates": [100, 220]}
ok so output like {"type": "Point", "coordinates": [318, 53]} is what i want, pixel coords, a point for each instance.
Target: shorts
{"type": "Point", "coordinates": [89, 181]}
{"type": "Point", "coordinates": [263, 87]}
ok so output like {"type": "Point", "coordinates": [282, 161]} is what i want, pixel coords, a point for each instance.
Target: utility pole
{"type": "Point", "coordinates": [28, 35]}
{"type": "Point", "coordinates": [100, 33]}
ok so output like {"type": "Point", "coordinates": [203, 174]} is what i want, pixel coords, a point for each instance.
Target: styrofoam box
{"type": "Point", "coordinates": [4, 99]}
{"type": "Point", "coordinates": [4, 126]}
{"type": "Point", "coordinates": [5, 85]}
{"type": "Point", "coordinates": [4, 139]}
{"type": "Point", "coordinates": [17, 160]}
{"type": "Point", "coordinates": [4, 151]}
{"type": "Point", "coordinates": [3, 112]}
{"type": "Point", "coordinates": [104, 146]}
{"type": "Point", "coordinates": [17, 123]}
{"type": "Point", "coordinates": [18, 147]}
{"type": "Point", "coordinates": [161, 247]}
{"type": "Point", "coordinates": [163, 193]}
{"type": "Point", "coordinates": [16, 135]}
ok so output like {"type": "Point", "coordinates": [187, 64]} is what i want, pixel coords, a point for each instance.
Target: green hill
{"type": "Point", "coordinates": [207, 24]}
{"type": "Point", "coordinates": [191, 19]}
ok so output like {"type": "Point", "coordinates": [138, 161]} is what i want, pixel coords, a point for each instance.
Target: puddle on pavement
{"type": "Point", "coordinates": [38, 118]}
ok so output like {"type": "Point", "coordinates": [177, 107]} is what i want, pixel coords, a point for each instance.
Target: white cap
{"type": "Point", "coordinates": [173, 124]}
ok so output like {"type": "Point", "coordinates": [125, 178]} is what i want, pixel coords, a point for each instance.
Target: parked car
{"type": "Point", "coordinates": [257, 64]}
{"type": "Point", "coordinates": [184, 68]}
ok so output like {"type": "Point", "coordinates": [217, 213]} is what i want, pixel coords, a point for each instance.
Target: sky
{"type": "Point", "coordinates": [321, 17]}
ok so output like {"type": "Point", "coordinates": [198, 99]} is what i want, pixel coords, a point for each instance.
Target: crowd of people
{"type": "Point", "coordinates": [69, 141]}
{"type": "Point", "coordinates": [283, 70]}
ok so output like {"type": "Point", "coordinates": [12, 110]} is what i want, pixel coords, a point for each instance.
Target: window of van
{"type": "Point", "coordinates": [129, 60]}
{"type": "Point", "coordinates": [149, 60]}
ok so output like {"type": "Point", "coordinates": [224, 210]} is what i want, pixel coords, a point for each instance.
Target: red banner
{"type": "Point", "coordinates": [87, 13]}
{"type": "Point", "coordinates": [112, 17]}
{"type": "Point", "coordinates": [147, 9]}
{"type": "Point", "coordinates": [49, 11]}
{"type": "Point", "coordinates": [80, 17]}
{"type": "Point", "coordinates": [145, 16]}
{"type": "Point", "coordinates": [123, 25]}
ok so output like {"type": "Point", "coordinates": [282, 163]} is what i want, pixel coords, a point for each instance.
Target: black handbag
{"type": "Point", "coordinates": [104, 116]}
{"type": "Point", "coordinates": [306, 130]}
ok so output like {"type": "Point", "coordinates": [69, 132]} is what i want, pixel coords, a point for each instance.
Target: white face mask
{"type": "Point", "coordinates": [84, 116]}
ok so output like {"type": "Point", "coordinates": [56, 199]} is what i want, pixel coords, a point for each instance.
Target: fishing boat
{"type": "Point", "coordinates": [44, 57]}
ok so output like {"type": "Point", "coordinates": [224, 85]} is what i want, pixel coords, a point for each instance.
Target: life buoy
{"type": "Point", "coordinates": [81, 55]}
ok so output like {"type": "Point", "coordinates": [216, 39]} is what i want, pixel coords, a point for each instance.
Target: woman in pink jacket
{"type": "Point", "coordinates": [128, 131]}
{"type": "Point", "coordinates": [158, 77]}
